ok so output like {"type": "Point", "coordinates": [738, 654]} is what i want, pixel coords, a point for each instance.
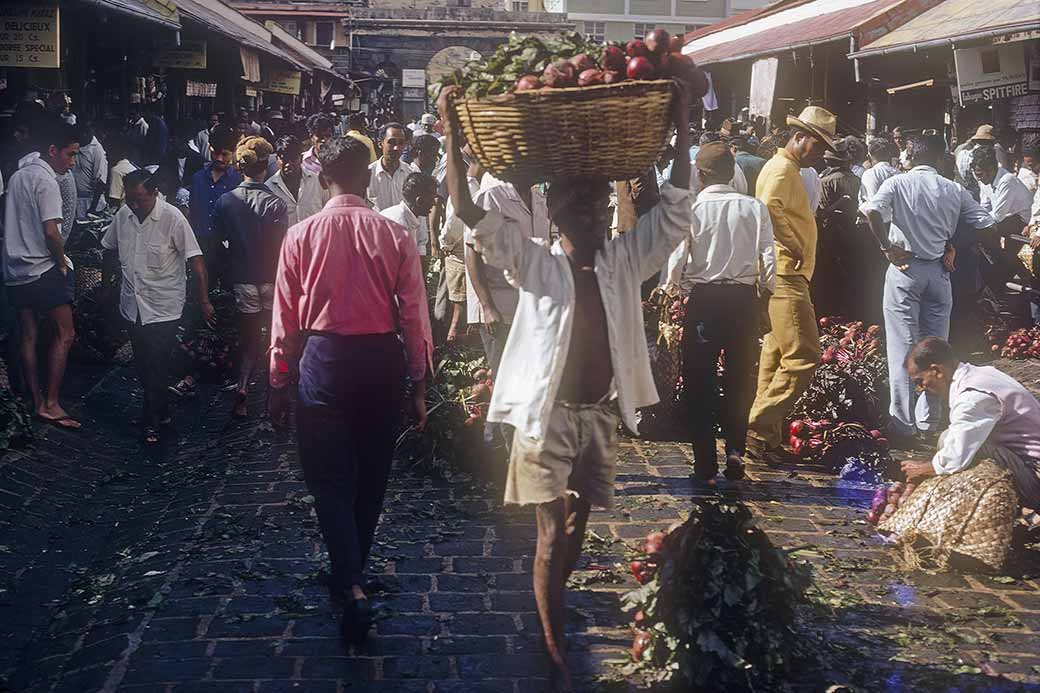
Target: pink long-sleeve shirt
{"type": "Point", "coordinates": [350, 271]}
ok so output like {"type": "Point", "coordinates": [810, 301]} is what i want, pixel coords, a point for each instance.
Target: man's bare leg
{"type": "Point", "coordinates": [27, 320]}
{"type": "Point", "coordinates": [64, 336]}
{"type": "Point", "coordinates": [456, 316]}
{"type": "Point", "coordinates": [559, 545]}
{"type": "Point", "coordinates": [250, 334]}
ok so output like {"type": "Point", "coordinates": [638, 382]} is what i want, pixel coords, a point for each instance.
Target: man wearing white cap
{"type": "Point", "coordinates": [791, 350]}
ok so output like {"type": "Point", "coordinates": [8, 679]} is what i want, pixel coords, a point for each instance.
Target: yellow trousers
{"type": "Point", "coordinates": [790, 354]}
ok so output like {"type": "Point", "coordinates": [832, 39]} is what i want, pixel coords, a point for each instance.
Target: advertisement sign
{"type": "Point", "coordinates": [283, 82]}
{"type": "Point", "coordinates": [989, 73]}
{"type": "Point", "coordinates": [190, 55]}
{"type": "Point", "coordinates": [413, 79]}
{"type": "Point", "coordinates": [763, 86]}
{"type": "Point", "coordinates": [29, 36]}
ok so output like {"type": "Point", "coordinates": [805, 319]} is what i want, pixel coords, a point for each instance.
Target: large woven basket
{"type": "Point", "coordinates": [617, 131]}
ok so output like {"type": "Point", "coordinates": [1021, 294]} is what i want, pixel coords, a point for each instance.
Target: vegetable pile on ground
{"type": "Point", "coordinates": [456, 402]}
{"type": "Point", "coordinates": [16, 429]}
{"type": "Point", "coordinates": [100, 329]}
{"type": "Point", "coordinates": [204, 351]}
{"type": "Point", "coordinates": [716, 606]}
{"type": "Point", "coordinates": [525, 63]}
{"type": "Point", "coordinates": [1020, 344]}
{"type": "Point", "coordinates": [887, 500]}
{"type": "Point", "coordinates": [855, 453]}
{"type": "Point", "coordinates": [851, 383]}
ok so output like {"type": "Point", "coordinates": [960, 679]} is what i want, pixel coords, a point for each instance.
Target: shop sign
{"type": "Point", "coordinates": [283, 82]}
{"type": "Point", "coordinates": [29, 36]}
{"type": "Point", "coordinates": [413, 79]}
{"type": "Point", "coordinates": [990, 73]}
{"type": "Point", "coordinates": [190, 55]}
{"type": "Point", "coordinates": [763, 86]}
{"type": "Point", "coordinates": [413, 94]}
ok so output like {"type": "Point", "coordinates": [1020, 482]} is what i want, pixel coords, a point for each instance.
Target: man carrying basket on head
{"type": "Point", "coordinates": [576, 362]}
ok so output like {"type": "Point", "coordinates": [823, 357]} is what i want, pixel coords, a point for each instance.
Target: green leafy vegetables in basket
{"type": "Point", "coordinates": [526, 63]}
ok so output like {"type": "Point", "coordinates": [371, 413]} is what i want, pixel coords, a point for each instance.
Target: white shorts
{"type": "Point", "coordinates": [253, 298]}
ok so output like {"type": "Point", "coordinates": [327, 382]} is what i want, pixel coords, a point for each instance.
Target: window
{"type": "Point", "coordinates": [322, 33]}
{"type": "Point", "coordinates": [291, 27]}
{"type": "Point", "coordinates": [643, 29]}
{"type": "Point", "coordinates": [521, 6]}
{"type": "Point", "coordinates": [692, 27]}
{"type": "Point", "coordinates": [596, 31]}
{"type": "Point", "coordinates": [460, 3]}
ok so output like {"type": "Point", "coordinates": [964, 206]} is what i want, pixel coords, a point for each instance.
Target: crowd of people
{"type": "Point", "coordinates": [324, 232]}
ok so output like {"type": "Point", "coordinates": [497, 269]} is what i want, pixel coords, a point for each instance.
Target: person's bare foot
{"type": "Point", "coordinates": [55, 414]}
{"type": "Point", "coordinates": [239, 410]}
{"type": "Point", "coordinates": [559, 674]}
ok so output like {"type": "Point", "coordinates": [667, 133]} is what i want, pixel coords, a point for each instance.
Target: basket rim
{"type": "Point", "coordinates": [551, 93]}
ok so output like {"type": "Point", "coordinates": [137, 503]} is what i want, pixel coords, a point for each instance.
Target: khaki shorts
{"type": "Point", "coordinates": [253, 298]}
{"type": "Point", "coordinates": [578, 455]}
{"type": "Point", "coordinates": [455, 271]}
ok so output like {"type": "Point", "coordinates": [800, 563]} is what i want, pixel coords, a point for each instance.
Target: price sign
{"type": "Point", "coordinates": [29, 36]}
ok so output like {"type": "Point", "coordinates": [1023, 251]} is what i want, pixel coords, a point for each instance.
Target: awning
{"type": "Point", "coordinates": [161, 12]}
{"type": "Point", "coordinates": [960, 21]}
{"type": "Point", "coordinates": [218, 17]}
{"type": "Point", "coordinates": [782, 26]}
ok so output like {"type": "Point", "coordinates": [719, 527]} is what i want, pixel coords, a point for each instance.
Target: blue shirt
{"type": "Point", "coordinates": [204, 195]}
{"type": "Point", "coordinates": [253, 220]}
{"type": "Point", "coordinates": [926, 209]}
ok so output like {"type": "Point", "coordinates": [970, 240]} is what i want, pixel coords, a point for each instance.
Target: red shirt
{"type": "Point", "coordinates": [350, 271]}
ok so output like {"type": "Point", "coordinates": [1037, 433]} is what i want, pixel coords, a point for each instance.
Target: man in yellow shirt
{"type": "Point", "coordinates": [791, 350]}
{"type": "Point", "coordinates": [357, 125]}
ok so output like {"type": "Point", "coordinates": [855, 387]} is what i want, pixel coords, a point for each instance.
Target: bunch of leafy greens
{"type": "Point", "coordinates": [721, 607]}
{"type": "Point", "coordinates": [519, 56]}
{"type": "Point", "coordinates": [15, 428]}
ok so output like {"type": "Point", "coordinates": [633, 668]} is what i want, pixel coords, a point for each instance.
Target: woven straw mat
{"type": "Point", "coordinates": [969, 514]}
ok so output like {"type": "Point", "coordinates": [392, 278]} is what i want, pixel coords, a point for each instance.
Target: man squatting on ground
{"type": "Point", "coordinates": [577, 356]}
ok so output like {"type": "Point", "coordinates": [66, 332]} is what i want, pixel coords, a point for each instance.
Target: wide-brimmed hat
{"type": "Point", "coordinates": [818, 121]}
{"type": "Point", "coordinates": [985, 132]}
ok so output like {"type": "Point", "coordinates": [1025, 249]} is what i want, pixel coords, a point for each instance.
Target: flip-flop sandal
{"type": "Point", "coordinates": [240, 401]}
{"type": "Point", "coordinates": [151, 437]}
{"type": "Point", "coordinates": [60, 422]}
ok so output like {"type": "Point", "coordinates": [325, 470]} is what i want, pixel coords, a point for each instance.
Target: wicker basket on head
{"type": "Point", "coordinates": [617, 131]}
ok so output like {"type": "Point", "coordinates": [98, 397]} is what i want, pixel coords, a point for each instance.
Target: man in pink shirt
{"type": "Point", "coordinates": [350, 319]}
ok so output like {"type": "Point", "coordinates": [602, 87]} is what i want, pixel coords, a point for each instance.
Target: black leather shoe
{"type": "Point", "coordinates": [357, 621]}
{"type": "Point", "coordinates": [734, 467]}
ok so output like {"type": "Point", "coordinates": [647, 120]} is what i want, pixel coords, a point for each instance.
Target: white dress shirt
{"type": "Point", "coordinates": [925, 209]}
{"type": "Point", "coordinates": [402, 214]}
{"type": "Point", "coordinates": [384, 188]}
{"type": "Point", "coordinates": [1029, 178]}
{"type": "Point", "coordinates": [152, 256]}
{"type": "Point", "coordinates": [91, 165]}
{"type": "Point", "coordinates": [872, 179]}
{"type": "Point", "coordinates": [453, 234]}
{"type": "Point", "coordinates": [1006, 197]}
{"type": "Point", "coordinates": [529, 377]}
{"type": "Point", "coordinates": [813, 187]}
{"type": "Point", "coordinates": [312, 196]}
{"type": "Point", "coordinates": [730, 240]}
{"type": "Point", "coordinates": [501, 197]}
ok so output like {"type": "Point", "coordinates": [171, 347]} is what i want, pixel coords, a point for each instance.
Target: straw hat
{"type": "Point", "coordinates": [819, 121]}
{"type": "Point", "coordinates": [985, 133]}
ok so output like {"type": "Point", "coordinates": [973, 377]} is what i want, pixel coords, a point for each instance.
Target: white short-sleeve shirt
{"type": "Point", "coordinates": [385, 188]}
{"type": "Point", "coordinates": [152, 254]}
{"type": "Point", "coordinates": [33, 197]}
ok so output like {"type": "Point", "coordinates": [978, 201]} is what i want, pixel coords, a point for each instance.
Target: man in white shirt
{"type": "Point", "coordinates": [154, 241]}
{"type": "Point", "coordinates": [986, 406]}
{"type": "Point", "coordinates": [578, 341]}
{"type": "Point", "coordinates": [419, 194]}
{"type": "Point", "coordinates": [1001, 194]}
{"type": "Point", "coordinates": [201, 141]}
{"type": "Point", "coordinates": [813, 187]}
{"type": "Point", "coordinates": [728, 253]}
{"type": "Point", "coordinates": [1030, 169]}
{"type": "Point", "coordinates": [881, 152]}
{"type": "Point", "coordinates": [453, 247]}
{"type": "Point", "coordinates": [90, 172]}
{"type": "Point", "coordinates": [39, 276]}
{"type": "Point", "coordinates": [388, 172]}
{"type": "Point", "coordinates": [297, 187]}
{"type": "Point", "coordinates": [918, 296]}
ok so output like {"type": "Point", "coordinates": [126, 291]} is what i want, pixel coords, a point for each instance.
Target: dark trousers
{"type": "Point", "coordinates": [494, 345]}
{"type": "Point", "coordinates": [152, 346]}
{"type": "Point", "coordinates": [351, 395]}
{"type": "Point", "coordinates": [720, 318]}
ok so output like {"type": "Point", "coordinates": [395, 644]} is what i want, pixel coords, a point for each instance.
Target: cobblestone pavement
{"type": "Point", "coordinates": [198, 568]}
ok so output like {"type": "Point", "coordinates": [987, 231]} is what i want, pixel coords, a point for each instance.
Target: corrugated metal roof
{"type": "Point", "coordinates": [222, 19]}
{"type": "Point", "coordinates": [782, 26]}
{"type": "Point", "coordinates": [162, 12]}
{"type": "Point", "coordinates": [955, 19]}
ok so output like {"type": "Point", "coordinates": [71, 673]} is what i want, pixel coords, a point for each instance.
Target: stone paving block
{"type": "Point", "coordinates": [347, 668]}
{"type": "Point", "coordinates": [410, 625]}
{"type": "Point", "coordinates": [458, 601]}
{"type": "Point", "coordinates": [308, 686]}
{"type": "Point", "coordinates": [254, 668]}
{"type": "Point", "coordinates": [465, 644]}
{"type": "Point", "coordinates": [171, 629]}
{"type": "Point", "coordinates": [168, 670]}
{"type": "Point", "coordinates": [421, 667]}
